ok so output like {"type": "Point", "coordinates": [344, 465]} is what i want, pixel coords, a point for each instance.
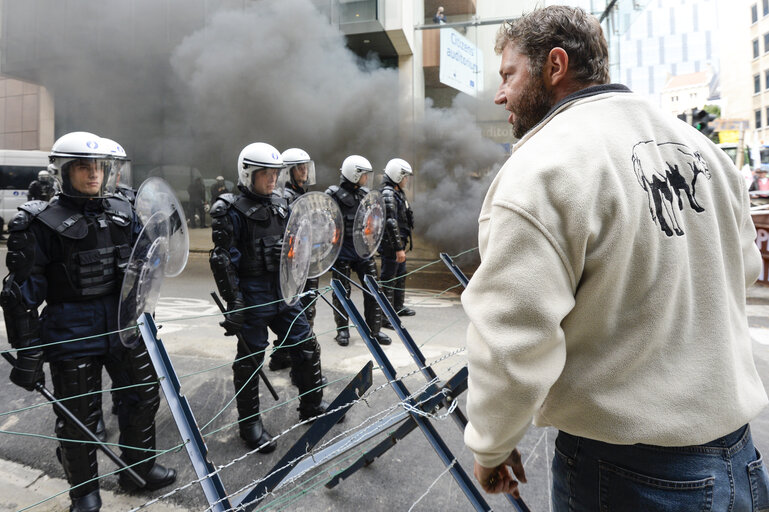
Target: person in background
{"type": "Point", "coordinates": [197, 192]}
{"type": "Point", "coordinates": [43, 188]}
{"type": "Point", "coordinates": [439, 17]}
{"type": "Point", "coordinates": [610, 298]}
{"type": "Point", "coordinates": [218, 188]}
{"type": "Point", "coordinates": [399, 223]}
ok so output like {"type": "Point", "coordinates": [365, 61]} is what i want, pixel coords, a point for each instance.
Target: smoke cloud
{"type": "Point", "coordinates": [231, 73]}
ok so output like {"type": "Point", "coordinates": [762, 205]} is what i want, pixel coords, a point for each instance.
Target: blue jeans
{"type": "Point", "coordinates": [727, 474]}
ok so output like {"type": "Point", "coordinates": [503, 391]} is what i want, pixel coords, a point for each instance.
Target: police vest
{"type": "Point", "coordinates": [260, 241]}
{"type": "Point", "coordinates": [348, 203]}
{"type": "Point", "coordinates": [95, 248]}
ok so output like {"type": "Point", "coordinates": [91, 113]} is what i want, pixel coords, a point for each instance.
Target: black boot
{"type": "Point", "coordinates": [279, 360]}
{"type": "Point", "coordinates": [406, 311]}
{"type": "Point", "coordinates": [343, 337]}
{"type": "Point", "coordinates": [246, 381]}
{"type": "Point", "coordinates": [306, 375]}
{"type": "Point", "coordinates": [255, 435]}
{"type": "Point", "coordinates": [157, 477]}
{"type": "Point", "coordinates": [381, 338]}
{"type": "Point", "coordinates": [90, 502]}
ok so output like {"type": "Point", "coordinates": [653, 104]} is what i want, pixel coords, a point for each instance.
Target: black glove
{"type": "Point", "coordinates": [28, 370]}
{"type": "Point", "coordinates": [233, 321]}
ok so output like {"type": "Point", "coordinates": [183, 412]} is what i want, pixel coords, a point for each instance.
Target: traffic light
{"type": "Point", "coordinates": [682, 117]}
{"type": "Point", "coordinates": [700, 120]}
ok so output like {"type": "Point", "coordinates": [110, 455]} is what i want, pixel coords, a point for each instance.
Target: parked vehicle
{"type": "Point", "coordinates": [18, 169]}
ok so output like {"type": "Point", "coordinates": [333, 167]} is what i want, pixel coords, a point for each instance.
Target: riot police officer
{"type": "Point", "coordinates": [70, 254]}
{"type": "Point", "coordinates": [397, 236]}
{"type": "Point", "coordinates": [43, 188]}
{"type": "Point", "coordinates": [355, 171]}
{"type": "Point", "coordinates": [298, 174]}
{"type": "Point", "coordinates": [247, 232]}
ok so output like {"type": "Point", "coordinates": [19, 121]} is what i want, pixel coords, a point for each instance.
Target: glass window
{"type": "Point", "coordinates": [755, 48]}
{"type": "Point", "coordinates": [758, 119]}
{"type": "Point", "coordinates": [351, 11]}
{"type": "Point", "coordinates": [17, 177]}
{"type": "Point", "coordinates": [766, 79]}
{"type": "Point", "coordinates": [756, 84]}
{"type": "Point", "coordinates": [766, 7]}
{"type": "Point", "coordinates": [766, 42]}
{"type": "Point", "coordinates": [754, 13]}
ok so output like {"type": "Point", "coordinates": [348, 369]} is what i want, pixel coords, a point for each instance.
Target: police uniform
{"type": "Point", "coordinates": [247, 232]}
{"type": "Point", "coordinates": [71, 254]}
{"type": "Point", "coordinates": [397, 237]}
{"type": "Point", "coordinates": [41, 190]}
{"type": "Point", "coordinates": [348, 196]}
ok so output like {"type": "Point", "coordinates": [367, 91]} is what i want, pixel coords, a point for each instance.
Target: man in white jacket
{"type": "Point", "coordinates": [616, 248]}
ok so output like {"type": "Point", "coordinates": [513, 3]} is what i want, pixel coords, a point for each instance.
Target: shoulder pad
{"type": "Point", "coordinates": [118, 204]}
{"type": "Point", "coordinates": [20, 221]}
{"type": "Point", "coordinates": [34, 207]}
{"type": "Point", "coordinates": [290, 194]}
{"type": "Point", "coordinates": [332, 190]}
{"type": "Point", "coordinates": [365, 190]}
{"type": "Point", "coordinates": [279, 201]}
{"type": "Point", "coordinates": [388, 192]}
{"type": "Point", "coordinates": [227, 197]}
{"type": "Point", "coordinates": [222, 205]}
{"type": "Point", "coordinates": [68, 223]}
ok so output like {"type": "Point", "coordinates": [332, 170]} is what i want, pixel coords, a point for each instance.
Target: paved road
{"type": "Point", "coordinates": [408, 475]}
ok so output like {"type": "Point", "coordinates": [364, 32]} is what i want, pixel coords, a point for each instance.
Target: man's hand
{"type": "Point", "coordinates": [400, 256]}
{"type": "Point", "coordinates": [498, 479]}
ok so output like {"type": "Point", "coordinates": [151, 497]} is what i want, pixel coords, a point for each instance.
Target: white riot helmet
{"type": "Point", "coordinates": [83, 151]}
{"type": "Point", "coordinates": [256, 157]}
{"type": "Point", "coordinates": [44, 175]}
{"type": "Point", "coordinates": [355, 166]}
{"type": "Point", "coordinates": [397, 169]}
{"type": "Point", "coordinates": [121, 174]}
{"type": "Point", "coordinates": [298, 163]}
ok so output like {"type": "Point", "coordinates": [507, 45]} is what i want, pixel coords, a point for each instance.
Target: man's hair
{"type": "Point", "coordinates": [571, 28]}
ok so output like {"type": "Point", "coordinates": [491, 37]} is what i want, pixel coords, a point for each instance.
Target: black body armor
{"type": "Point", "coordinates": [94, 245]}
{"type": "Point", "coordinates": [348, 196]}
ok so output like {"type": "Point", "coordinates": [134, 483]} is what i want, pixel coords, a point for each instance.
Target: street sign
{"type": "Point", "coordinates": [461, 63]}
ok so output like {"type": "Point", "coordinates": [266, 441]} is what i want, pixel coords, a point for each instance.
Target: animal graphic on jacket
{"type": "Point", "coordinates": [665, 170]}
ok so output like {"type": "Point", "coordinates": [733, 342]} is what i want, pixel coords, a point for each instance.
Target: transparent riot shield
{"type": "Point", "coordinates": [296, 254]}
{"type": "Point", "coordinates": [144, 275]}
{"type": "Point", "coordinates": [368, 226]}
{"type": "Point", "coordinates": [327, 230]}
{"type": "Point", "coordinates": [156, 195]}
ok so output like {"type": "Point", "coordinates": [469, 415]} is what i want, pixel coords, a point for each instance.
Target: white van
{"type": "Point", "coordinates": [17, 170]}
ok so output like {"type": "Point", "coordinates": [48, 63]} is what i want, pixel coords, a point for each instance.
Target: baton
{"type": "Point", "coordinates": [248, 351]}
{"type": "Point", "coordinates": [60, 407]}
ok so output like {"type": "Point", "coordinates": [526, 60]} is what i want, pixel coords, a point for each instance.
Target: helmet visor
{"type": "Point", "coordinates": [85, 176]}
{"type": "Point", "coordinates": [119, 176]}
{"type": "Point", "coordinates": [299, 175]}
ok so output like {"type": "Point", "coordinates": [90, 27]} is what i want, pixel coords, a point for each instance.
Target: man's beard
{"type": "Point", "coordinates": [535, 101]}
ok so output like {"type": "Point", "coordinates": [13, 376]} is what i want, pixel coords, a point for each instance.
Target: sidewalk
{"type": "Point", "coordinates": [22, 486]}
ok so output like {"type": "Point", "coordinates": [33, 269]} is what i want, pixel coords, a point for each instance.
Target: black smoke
{"type": "Point", "coordinates": [233, 72]}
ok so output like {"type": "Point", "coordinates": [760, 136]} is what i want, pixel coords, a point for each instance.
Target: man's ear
{"type": "Point", "coordinates": [556, 67]}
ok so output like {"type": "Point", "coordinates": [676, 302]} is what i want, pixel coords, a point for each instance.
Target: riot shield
{"type": "Point", "coordinates": [143, 275]}
{"type": "Point", "coordinates": [368, 226]}
{"type": "Point", "coordinates": [156, 195]}
{"type": "Point", "coordinates": [295, 254]}
{"type": "Point", "coordinates": [327, 231]}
